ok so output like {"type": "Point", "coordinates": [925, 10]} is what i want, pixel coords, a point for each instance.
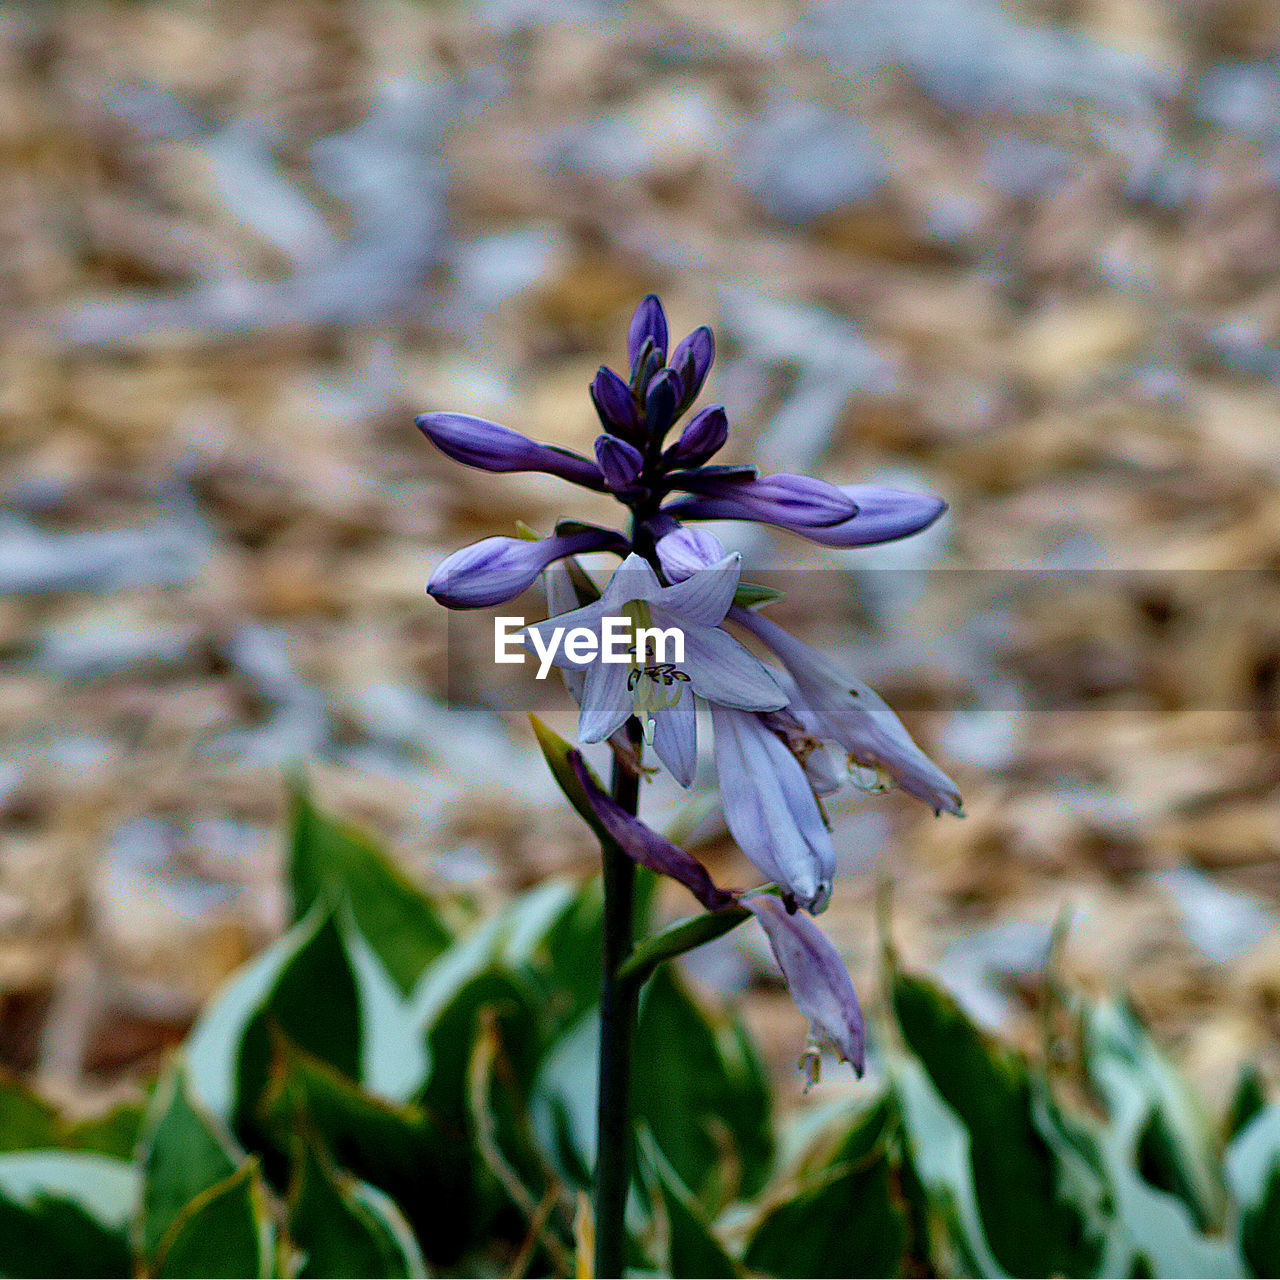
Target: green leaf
{"type": "Point", "coordinates": [398, 1148]}
{"type": "Point", "coordinates": [105, 1188]}
{"type": "Point", "coordinates": [184, 1153]}
{"type": "Point", "coordinates": [1253, 1172]}
{"type": "Point", "coordinates": [315, 1002]}
{"type": "Point", "coordinates": [1158, 1230]}
{"type": "Point", "coordinates": [939, 1145]}
{"type": "Point", "coordinates": [330, 862]}
{"type": "Point", "coordinates": [1248, 1099]}
{"type": "Point", "coordinates": [692, 1247]}
{"type": "Point", "coordinates": [27, 1121]}
{"type": "Point", "coordinates": [213, 1047]}
{"type": "Point", "coordinates": [498, 1109]}
{"type": "Point", "coordinates": [226, 1230]}
{"type": "Point", "coordinates": [114, 1133]}
{"type": "Point", "coordinates": [393, 1061]}
{"type": "Point", "coordinates": [384, 1035]}
{"type": "Point", "coordinates": [65, 1214]}
{"type": "Point", "coordinates": [749, 595]}
{"type": "Point", "coordinates": [1083, 1179]}
{"type": "Point", "coordinates": [452, 1035]}
{"type": "Point", "coordinates": [567, 964]}
{"type": "Point", "coordinates": [1148, 1232]}
{"type": "Point", "coordinates": [342, 1228]}
{"type": "Point", "coordinates": [703, 1101]}
{"type": "Point", "coordinates": [1260, 1230]}
{"type": "Point", "coordinates": [563, 1103]}
{"type": "Point", "coordinates": [846, 1221]}
{"type": "Point", "coordinates": [1028, 1224]}
{"type": "Point", "coordinates": [1156, 1122]}
{"type": "Point", "coordinates": [868, 1133]}
{"type": "Point", "coordinates": [56, 1237]}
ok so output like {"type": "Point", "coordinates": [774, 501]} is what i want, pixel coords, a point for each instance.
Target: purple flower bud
{"type": "Point", "coordinates": [704, 435]}
{"type": "Point", "coordinates": [818, 981]}
{"type": "Point", "coordinates": [620, 462]}
{"type": "Point", "coordinates": [614, 403]}
{"type": "Point", "coordinates": [660, 524]}
{"type": "Point", "coordinates": [495, 570]}
{"type": "Point", "coordinates": [661, 398]}
{"type": "Point", "coordinates": [649, 321]}
{"type": "Point", "coordinates": [648, 369]}
{"type": "Point", "coordinates": [486, 445]}
{"type": "Point", "coordinates": [794, 502]}
{"type": "Point", "coordinates": [770, 808]}
{"type": "Point", "coordinates": [686, 550]}
{"type": "Point", "coordinates": [647, 847]}
{"type": "Point", "coordinates": [884, 515]}
{"type": "Point", "coordinates": [692, 359]}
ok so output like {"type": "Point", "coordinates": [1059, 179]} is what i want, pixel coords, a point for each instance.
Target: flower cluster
{"type": "Point", "coordinates": [773, 726]}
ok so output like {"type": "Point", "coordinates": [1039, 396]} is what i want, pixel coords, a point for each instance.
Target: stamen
{"type": "Point", "coordinates": [654, 688]}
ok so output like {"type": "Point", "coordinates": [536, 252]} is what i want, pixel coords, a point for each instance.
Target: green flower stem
{"type": "Point", "coordinates": [617, 1026]}
{"type": "Point", "coordinates": [676, 940]}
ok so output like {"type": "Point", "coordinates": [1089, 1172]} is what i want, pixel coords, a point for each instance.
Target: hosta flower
{"type": "Point", "coordinates": [818, 981]}
{"type": "Point", "coordinates": [650, 686]}
{"type": "Point", "coordinates": [770, 808]}
{"type": "Point", "coordinates": [851, 713]}
{"type": "Point", "coordinates": [772, 726]}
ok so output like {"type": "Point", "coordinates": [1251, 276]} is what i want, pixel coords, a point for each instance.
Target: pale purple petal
{"type": "Point", "coordinates": [589, 617]}
{"type": "Point", "coordinates": [687, 550]}
{"type": "Point", "coordinates": [633, 579]}
{"type": "Point", "coordinates": [884, 515]}
{"type": "Point", "coordinates": [647, 847]}
{"type": "Point", "coordinates": [855, 716]}
{"type": "Point", "coordinates": [818, 981]}
{"type": "Point", "coordinates": [722, 671]}
{"type": "Point", "coordinates": [770, 808]}
{"type": "Point", "coordinates": [794, 723]}
{"type": "Point", "coordinates": [704, 597]}
{"type": "Point", "coordinates": [675, 738]}
{"type": "Point", "coordinates": [606, 701]}
{"type": "Point", "coordinates": [562, 595]}
{"type": "Point", "coordinates": [498, 569]}
{"type": "Point", "coordinates": [562, 598]}
{"type": "Point", "coordinates": [479, 443]}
